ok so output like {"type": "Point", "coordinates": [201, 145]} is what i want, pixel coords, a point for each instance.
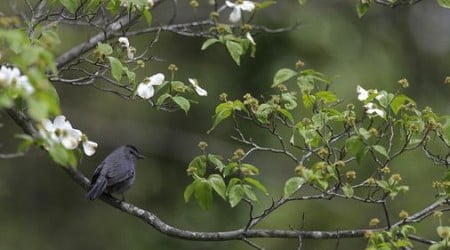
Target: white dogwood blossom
{"type": "Point", "coordinates": [89, 147]}
{"type": "Point", "coordinates": [372, 109]}
{"type": "Point", "coordinates": [197, 88]}
{"type": "Point", "coordinates": [364, 94]}
{"type": "Point", "coordinates": [146, 88]}
{"type": "Point", "coordinates": [126, 44]}
{"type": "Point", "coordinates": [61, 131]}
{"type": "Point", "coordinates": [11, 77]}
{"type": "Point", "coordinates": [238, 7]}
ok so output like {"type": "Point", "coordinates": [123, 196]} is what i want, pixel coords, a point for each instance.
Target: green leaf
{"type": "Point", "coordinates": [162, 98]}
{"type": "Point", "coordinates": [356, 147]}
{"type": "Point", "coordinates": [287, 114]}
{"type": "Point", "coordinates": [291, 100]}
{"type": "Point", "coordinates": [444, 3]}
{"type": "Point", "coordinates": [249, 169]}
{"type": "Point", "coordinates": [380, 149]}
{"type": "Point", "coordinates": [398, 101]}
{"type": "Point", "coordinates": [199, 163]}
{"type": "Point", "coordinates": [249, 193]}
{"type": "Point", "coordinates": [27, 141]}
{"type": "Point", "coordinates": [256, 184]}
{"type": "Point", "coordinates": [235, 194]}
{"type": "Point", "coordinates": [188, 191]}
{"type": "Point", "coordinates": [50, 37]}
{"type": "Point", "coordinates": [362, 8]}
{"type": "Point", "coordinates": [104, 49]}
{"type": "Point", "coordinates": [62, 156]}
{"type": "Point", "coordinates": [41, 105]}
{"type": "Point", "coordinates": [182, 102]}
{"type": "Point", "coordinates": [263, 112]}
{"type": "Point", "coordinates": [148, 16]}
{"type": "Point", "coordinates": [203, 193]}
{"type": "Point", "coordinates": [326, 96]}
{"type": "Point", "coordinates": [283, 75]}
{"type": "Point", "coordinates": [209, 42]}
{"type": "Point", "coordinates": [131, 76]}
{"type": "Point", "coordinates": [292, 185]}
{"type": "Point", "coordinates": [216, 160]}
{"type": "Point", "coordinates": [217, 183]}
{"type": "Point", "coordinates": [230, 169]}
{"type": "Point", "coordinates": [235, 49]}
{"type": "Point", "coordinates": [446, 130]}
{"type": "Point", "coordinates": [308, 100]}
{"type": "Point", "coordinates": [305, 83]}
{"type": "Point", "coordinates": [302, 2]}
{"type": "Point", "coordinates": [116, 68]}
{"type": "Point", "coordinates": [70, 5]}
{"type": "Point", "coordinates": [223, 111]}
{"type": "Point", "coordinates": [348, 190]}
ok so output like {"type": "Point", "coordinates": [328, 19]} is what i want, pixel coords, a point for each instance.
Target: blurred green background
{"type": "Point", "coordinates": [42, 208]}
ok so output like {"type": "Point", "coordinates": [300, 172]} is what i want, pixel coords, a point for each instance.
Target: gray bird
{"type": "Point", "coordinates": [116, 172]}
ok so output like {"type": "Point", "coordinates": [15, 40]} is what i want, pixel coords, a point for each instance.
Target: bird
{"type": "Point", "coordinates": [116, 172]}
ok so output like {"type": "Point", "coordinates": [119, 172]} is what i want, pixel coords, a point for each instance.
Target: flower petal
{"type": "Point", "coordinates": [75, 134]}
{"type": "Point", "coordinates": [69, 142]}
{"type": "Point", "coordinates": [145, 90]}
{"type": "Point", "coordinates": [130, 53]}
{"type": "Point", "coordinates": [247, 6]}
{"type": "Point", "coordinates": [230, 4]}
{"type": "Point", "coordinates": [235, 15]}
{"type": "Point", "coordinates": [200, 91]}
{"type": "Point", "coordinates": [362, 93]}
{"type": "Point", "coordinates": [250, 38]}
{"type": "Point", "coordinates": [24, 83]}
{"type": "Point", "coordinates": [61, 123]}
{"type": "Point", "coordinates": [124, 41]}
{"type": "Point", "coordinates": [157, 79]}
{"type": "Point", "coordinates": [89, 147]}
{"type": "Point", "coordinates": [48, 125]}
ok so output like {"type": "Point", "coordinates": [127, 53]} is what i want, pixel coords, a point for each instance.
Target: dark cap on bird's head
{"type": "Point", "coordinates": [134, 151]}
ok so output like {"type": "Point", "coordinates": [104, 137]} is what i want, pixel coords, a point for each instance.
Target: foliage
{"type": "Point", "coordinates": [338, 149]}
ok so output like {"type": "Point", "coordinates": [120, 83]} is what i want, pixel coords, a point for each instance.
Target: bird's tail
{"type": "Point", "coordinates": [97, 189]}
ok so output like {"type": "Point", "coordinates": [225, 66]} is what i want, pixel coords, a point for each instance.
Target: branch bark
{"type": "Point", "coordinates": [148, 217]}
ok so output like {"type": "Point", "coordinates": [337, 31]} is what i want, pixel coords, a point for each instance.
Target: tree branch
{"type": "Point", "coordinates": [148, 217]}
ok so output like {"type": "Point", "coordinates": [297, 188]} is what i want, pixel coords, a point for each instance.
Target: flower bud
{"type": "Point", "coordinates": [403, 215]}
{"type": "Point", "coordinates": [374, 222]}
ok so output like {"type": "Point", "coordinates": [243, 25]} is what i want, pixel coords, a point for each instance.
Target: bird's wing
{"type": "Point", "coordinates": [118, 172]}
{"type": "Point", "coordinates": [96, 173]}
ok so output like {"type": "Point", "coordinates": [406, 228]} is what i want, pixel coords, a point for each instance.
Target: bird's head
{"type": "Point", "coordinates": [132, 150]}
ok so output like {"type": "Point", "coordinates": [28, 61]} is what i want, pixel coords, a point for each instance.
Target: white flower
{"type": "Point", "coordinates": [198, 89]}
{"type": "Point", "coordinates": [23, 83]}
{"type": "Point", "coordinates": [362, 93]}
{"type": "Point", "coordinates": [145, 89]}
{"type": "Point", "coordinates": [61, 131]}
{"type": "Point", "coordinates": [130, 53]}
{"type": "Point", "coordinates": [12, 77]}
{"type": "Point", "coordinates": [250, 38]}
{"type": "Point", "coordinates": [150, 3]}
{"type": "Point", "coordinates": [8, 76]}
{"type": "Point", "coordinates": [89, 147]}
{"type": "Point", "coordinates": [124, 41]}
{"type": "Point", "coordinates": [372, 109]}
{"type": "Point", "coordinates": [238, 7]}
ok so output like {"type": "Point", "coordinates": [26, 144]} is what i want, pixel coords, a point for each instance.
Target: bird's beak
{"type": "Point", "coordinates": [139, 156]}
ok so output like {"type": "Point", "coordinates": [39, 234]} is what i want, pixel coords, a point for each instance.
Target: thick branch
{"type": "Point", "coordinates": [240, 234]}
